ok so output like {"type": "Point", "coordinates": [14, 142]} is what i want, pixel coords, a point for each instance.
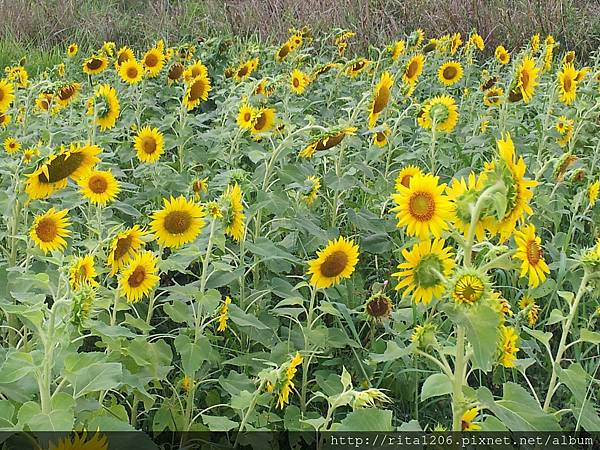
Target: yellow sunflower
{"type": "Point", "coordinates": [334, 263]}
{"type": "Point", "coordinates": [95, 64]}
{"type": "Point", "coordinates": [380, 139]}
{"type": "Point", "coordinates": [246, 116]}
{"type": "Point", "coordinates": [80, 441]}
{"type": "Point", "coordinates": [124, 247]}
{"type": "Point", "coordinates": [11, 145]}
{"type": "Point", "coordinates": [131, 71]}
{"type": "Point", "coordinates": [72, 50]}
{"type": "Point", "coordinates": [467, 420]}
{"type": "Point", "coordinates": [535, 42]}
{"type": "Point", "coordinates": [422, 207]}
{"type": "Point", "coordinates": [234, 214]}
{"type": "Point", "coordinates": [442, 111]}
{"type": "Point", "coordinates": [194, 70]}
{"type": "Point", "coordinates": [7, 95]}
{"type": "Point", "coordinates": [66, 94]}
{"type": "Point", "coordinates": [529, 251]}
{"type": "Point", "coordinates": [502, 55]}
{"type": "Point", "coordinates": [381, 97]}
{"type": "Point", "coordinates": [468, 286]}
{"type": "Point", "coordinates": [527, 74]}
{"type": "Point", "coordinates": [263, 121]}
{"type": "Point", "coordinates": [283, 51]}
{"type": "Point", "coordinates": [464, 194]}
{"type": "Point", "coordinates": [593, 191]}
{"type": "Point", "coordinates": [397, 49]}
{"type": "Point", "coordinates": [567, 81]}
{"type": "Point", "coordinates": [82, 272]}
{"type": "Point", "coordinates": [493, 96]}
{"type": "Point", "coordinates": [450, 73]}
{"type": "Point", "coordinates": [124, 54]}
{"type": "Point", "coordinates": [330, 140]}
{"type": "Point", "coordinates": [49, 230]}
{"type": "Point", "coordinates": [356, 67]}
{"type": "Point", "coordinates": [71, 162]}
{"type": "Point", "coordinates": [99, 186]}
{"type": "Point", "coordinates": [423, 271]}
{"type": "Point", "coordinates": [105, 104]}
{"type": "Point", "coordinates": [178, 223]}
{"type": "Point", "coordinates": [314, 184]}
{"type": "Point", "coordinates": [477, 41]}
{"type": "Point", "coordinates": [404, 176]}
{"type": "Point", "coordinates": [139, 277]}
{"type": "Point", "coordinates": [196, 92]}
{"type": "Point", "coordinates": [149, 144]}
{"type": "Point", "coordinates": [508, 346]}
{"type": "Point", "coordinates": [5, 119]}
{"type": "Point", "coordinates": [413, 69]}
{"type": "Point", "coordinates": [298, 81]}
{"type": "Point", "coordinates": [528, 303]}
{"type": "Point", "coordinates": [153, 62]}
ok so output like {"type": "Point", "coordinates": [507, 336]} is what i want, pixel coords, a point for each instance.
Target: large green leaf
{"type": "Point", "coordinates": [242, 319]}
{"type": "Point", "coordinates": [367, 419]}
{"type": "Point", "coordinates": [578, 381]}
{"type": "Point", "coordinates": [436, 385]}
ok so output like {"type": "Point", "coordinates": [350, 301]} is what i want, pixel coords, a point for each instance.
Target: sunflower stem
{"type": "Point", "coordinates": [457, 385]}
{"type": "Point", "coordinates": [307, 348]}
{"type": "Point", "coordinates": [432, 145]}
{"type": "Point", "coordinates": [113, 318]}
{"type": "Point", "coordinates": [475, 213]}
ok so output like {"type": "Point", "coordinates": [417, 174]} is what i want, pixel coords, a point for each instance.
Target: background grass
{"type": "Point", "coordinates": [42, 29]}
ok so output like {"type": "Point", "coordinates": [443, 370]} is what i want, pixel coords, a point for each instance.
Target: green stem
{"type": "Point", "coordinates": [457, 384]}
{"type": "Point", "coordinates": [307, 349]}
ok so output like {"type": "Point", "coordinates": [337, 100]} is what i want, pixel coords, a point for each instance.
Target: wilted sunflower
{"type": "Point", "coordinates": [464, 194]}
{"type": "Point", "coordinates": [124, 247]}
{"type": "Point", "coordinates": [11, 145]}
{"type": "Point", "coordinates": [380, 138]}
{"type": "Point", "coordinates": [450, 73]}
{"type": "Point", "coordinates": [567, 81]}
{"type": "Point", "coordinates": [423, 271]}
{"type": "Point", "coordinates": [72, 50]}
{"type": "Point", "coordinates": [82, 272]}
{"type": "Point", "coordinates": [508, 346]}
{"type": "Point", "coordinates": [529, 251]}
{"type": "Point", "coordinates": [379, 306]}
{"type": "Point", "coordinates": [527, 74]}
{"type": "Point", "coordinates": [334, 263]}
{"type": "Point", "coordinates": [99, 186]}
{"type": "Point", "coordinates": [330, 140]}
{"type": "Point", "coordinates": [139, 277]}
{"type": "Point", "coordinates": [175, 72]}
{"type": "Point", "coordinates": [124, 54]}
{"type": "Point", "coordinates": [149, 144]}
{"type": "Point", "coordinates": [381, 97]}
{"type": "Point", "coordinates": [71, 162]}
{"type": "Point", "coordinates": [153, 62]}
{"type": "Point", "coordinates": [49, 230]}
{"type": "Point", "coordinates": [95, 64]}
{"type": "Point", "coordinates": [105, 105]}
{"type": "Point", "coordinates": [178, 223]}
{"type": "Point", "coordinates": [196, 92]}
{"type": "Point", "coordinates": [493, 96]}
{"type": "Point", "coordinates": [234, 212]}
{"type": "Point", "coordinates": [413, 69]}
{"type": "Point", "coordinates": [405, 175]}
{"type": "Point", "coordinates": [131, 71]}
{"type": "Point", "coordinates": [356, 67]}
{"type": "Point", "coordinates": [246, 116]}
{"type": "Point", "coordinates": [442, 111]}
{"type": "Point", "coordinates": [264, 120]}
{"type": "Point", "coordinates": [298, 81]}
{"type": "Point", "coordinates": [502, 55]}
{"type": "Point", "coordinates": [7, 95]}
{"type": "Point", "coordinates": [67, 94]}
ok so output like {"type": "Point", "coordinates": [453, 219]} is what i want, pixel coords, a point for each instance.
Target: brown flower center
{"type": "Point", "coordinates": [331, 141]}
{"type": "Point", "coordinates": [405, 181]}
{"type": "Point", "coordinates": [46, 229]}
{"type": "Point", "coordinates": [261, 121]}
{"type": "Point", "coordinates": [421, 206]}
{"type": "Point", "coordinates": [449, 73]}
{"type": "Point", "coordinates": [94, 64]}
{"type": "Point", "coordinates": [137, 277]}
{"type": "Point", "coordinates": [62, 167]}
{"type": "Point", "coordinates": [381, 100]}
{"type": "Point", "coordinates": [283, 51]}
{"type": "Point", "coordinates": [411, 70]}
{"type": "Point", "coordinates": [379, 307]}
{"type": "Point", "coordinates": [175, 71]}
{"type": "Point", "coordinates": [132, 72]}
{"type": "Point", "coordinates": [334, 264]}
{"type": "Point", "coordinates": [151, 60]}
{"type": "Point", "coordinates": [534, 252]}
{"type": "Point", "coordinates": [148, 145]}
{"type": "Point", "coordinates": [98, 184]}
{"type": "Point", "coordinates": [123, 247]}
{"type": "Point", "coordinates": [66, 92]}
{"type": "Point", "coordinates": [296, 82]}
{"type": "Point", "coordinates": [177, 222]}
{"type": "Point", "coordinates": [197, 90]}
{"type": "Point", "coordinates": [243, 71]}
{"type": "Point", "coordinates": [525, 78]}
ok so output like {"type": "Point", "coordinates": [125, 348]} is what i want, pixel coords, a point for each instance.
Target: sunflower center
{"type": "Point", "coordinates": [177, 222]}
{"type": "Point", "coordinates": [1, 94]}
{"type": "Point", "coordinates": [137, 277]}
{"type": "Point", "coordinates": [123, 247]}
{"type": "Point", "coordinates": [94, 64]}
{"type": "Point", "coordinates": [261, 121]}
{"type": "Point", "coordinates": [567, 84]}
{"type": "Point", "coordinates": [380, 136]}
{"type": "Point", "coordinates": [379, 306]}
{"type": "Point", "coordinates": [132, 72]}
{"type": "Point", "coordinates": [46, 230]}
{"type": "Point", "coordinates": [382, 99]}
{"type": "Point", "coordinates": [412, 69]}
{"type": "Point", "coordinates": [247, 116]}
{"type": "Point", "coordinates": [66, 92]}
{"type": "Point", "coordinates": [151, 60]}
{"type": "Point", "coordinates": [450, 72]}
{"type": "Point", "coordinates": [331, 141]}
{"type": "Point", "coordinates": [148, 145]}
{"type": "Point", "coordinates": [243, 71]}
{"type": "Point", "coordinates": [123, 56]}
{"type": "Point", "coordinates": [427, 271]}
{"type": "Point", "coordinates": [176, 71]}
{"type": "Point", "coordinates": [98, 184]}
{"type": "Point", "coordinates": [296, 82]}
{"type": "Point", "coordinates": [464, 425]}
{"type": "Point", "coordinates": [525, 79]}
{"type": "Point", "coordinates": [283, 51]}
{"type": "Point", "coordinates": [62, 167]}
{"type": "Point", "coordinates": [421, 206]}
{"type": "Point", "coordinates": [334, 264]}
{"type": "Point", "coordinates": [197, 90]}
{"type": "Point", "coordinates": [534, 252]}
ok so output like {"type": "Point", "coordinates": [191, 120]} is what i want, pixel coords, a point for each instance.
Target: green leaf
{"type": "Point", "coordinates": [392, 353]}
{"type": "Point", "coordinates": [589, 336]}
{"type": "Point", "coordinates": [240, 318]}
{"type": "Point", "coordinates": [218, 423]}
{"type": "Point", "coordinates": [16, 366]}
{"type": "Point", "coordinates": [436, 385]}
{"type": "Point", "coordinates": [556, 316]}
{"type": "Point", "coordinates": [193, 354]}
{"type": "Point", "coordinates": [346, 379]}
{"type": "Point", "coordinates": [95, 377]}
{"type": "Point", "coordinates": [367, 419]}
{"type": "Point", "coordinates": [577, 380]}
{"type": "Point", "coordinates": [55, 420]}
{"type": "Point", "coordinates": [543, 337]}
{"type": "Point", "coordinates": [155, 356]}
{"type": "Point", "coordinates": [7, 411]}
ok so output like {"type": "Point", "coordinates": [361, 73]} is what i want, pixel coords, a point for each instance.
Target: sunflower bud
{"type": "Point", "coordinates": [424, 336]}
{"type": "Point", "coordinates": [563, 164]}
{"type": "Point", "coordinates": [83, 300]}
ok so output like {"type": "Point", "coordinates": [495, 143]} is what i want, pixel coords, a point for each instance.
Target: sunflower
{"type": "Point", "coordinates": [178, 223]}
{"type": "Point", "coordinates": [567, 81]}
{"type": "Point", "coordinates": [95, 64]}
{"type": "Point", "coordinates": [72, 50]}
{"type": "Point", "coordinates": [66, 94]}
{"type": "Point", "coordinates": [455, 43]}
{"type": "Point", "coordinates": [199, 186]}
{"type": "Point", "coordinates": [298, 81]}
{"type": "Point", "coordinates": [450, 73]}
{"type": "Point", "coordinates": [529, 251]}
{"type": "Point", "coordinates": [330, 140]}
{"type": "Point", "coordinates": [442, 111]}
{"type": "Point", "coordinates": [502, 55]}
{"type": "Point", "coordinates": [7, 95]}
{"type": "Point", "coordinates": [153, 62]}
{"type": "Point", "coordinates": [404, 176]}
{"type": "Point", "coordinates": [334, 263]}
{"type": "Point", "coordinates": [379, 306]}
{"type": "Point", "coordinates": [131, 71]}
{"type": "Point", "coordinates": [11, 145]}
{"type": "Point", "coordinates": [493, 96]}
{"type": "Point", "coordinates": [100, 187]}
{"type": "Point", "coordinates": [124, 247]}
{"type": "Point", "coordinates": [263, 121]}
{"type": "Point", "coordinates": [284, 51]}
{"type": "Point", "coordinates": [80, 441]}
{"type": "Point", "coordinates": [593, 191]}
{"type": "Point", "coordinates": [105, 105]}
{"type": "Point", "coordinates": [214, 210]}
{"type": "Point", "coordinates": [5, 119]}
{"type": "Point", "coordinates": [527, 74]}
{"type": "Point", "coordinates": [224, 315]}
{"type": "Point", "coordinates": [467, 420]}
{"type": "Point", "coordinates": [196, 92]}
{"type": "Point", "coordinates": [73, 162]}
{"type": "Point", "coordinates": [380, 138]}
{"type": "Point", "coordinates": [175, 72]}
{"type": "Point", "coordinates": [314, 184]}
{"type": "Point", "coordinates": [139, 277]}
{"type": "Point", "coordinates": [288, 384]}
{"type": "Point", "coordinates": [423, 271]}
{"type": "Point", "coordinates": [528, 304]}
{"type": "Point", "coordinates": [413, 69]}
{"type": "Point", "coordinates": [356, 67]}
{"type": "Point", "coordinates": [49, 230]}
{"type": "Point", "coordinates": [468, 286]}
{"type": "Point", "coordinates": [246, 116]}
{"type": "Point", "coordinates": [124, 54]}
{"type": "Point", "coordinates": [397, 49]}
{"type": "Point", "coordinates": [234, 215]}
{"type": "Point", "coordinates": [381, 97]}
{"type": "Point", "coordinates": [44, 101]}
{"type": "Point", "coordinates": [29, 154]}
{"type": "Point", "coordinates": [535, 42]}
{"type": "Point", "coordinates": [464, 194]}
{"type": "Point", "coordinates": [149, 144]}
{"type": "Point", "coordinates": [477, 41]}
{"type": "Point", "coordinates": [82, 272]}
{"type": "Point", "coordinates": [508, 346]}
{"type": "Point", "coordinates": [194, 70]}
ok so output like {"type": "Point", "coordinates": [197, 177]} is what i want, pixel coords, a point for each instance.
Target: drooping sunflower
{"type": "Point", "coordinates": [72, 50]}
{"type": "Point", "coordinates": [139, 277]}
{"type": "Point", "coordinates": [422, 207]}
{"type": "Point", "coordinates": [124, 247]}
{"type": "Point", "coordinates": [11, 145]}
{"type": "Point", "coordinates": [502, 55]}
{"type": "Point", "coordinates": [529, 251]}
{"type": "Point", "coordinates": [298, 81]}
{"type": "Point", "coordinates": [178, 223]}
{"type": "Point", "coordinates": [99, 186]}
{"type": "Point", "coordinates": [493, 96]}
{"type": "Point", "coordinates": [381, 97]}
{"type": "Point", "coordinates": [149, 144]}
{"type": "Point", "coordinates": [66, 94]}
{"type": "Point", "coordinates": [467, 421]}
{"type": "Point", "coordinates": [527, 74]}
{"type": "Point", "coordinates": [380, 138]}
{"type": "Point", "coordinates": [404, 176]}
{"type": "Point", "coordinates": [508, 346]}
{"type": "Point", "coordinates": [224, 315]}
{"type": "Point", "coordinates": [196, 92]}
{"type": "Point", "coordinates": [7, 95]}
{"type": "Point", "coordinates": [567, 82]}
{"type": "Point", "coordinates": [413, 69]}
{"type": "Point", "coordinates": [82, 272]}
{"type": "Point", "coordinates": [246, 116]}
{"type": "Point", "coordinates": [528, 304]}
{"type": "Point", "coordinates": [329, 140]}
{"type": "Point", "coordinates": [356, 67]}
{"type": "Point", "coordinates": [95, 64]}
{"type": "Point", "coordinates": [131, 71]}
{"type": "Point", "coordinates": [422, 270]}
{"type": "Point", "coordinates": [49, 230]}
{"type": "Point", "coordinates": [233, 216]}
{"type": "Point", "coordinates": [71, 162]}
{"type": "Point", "coordinates": [334, 263]}
{"type": "Point", "coordinates": [153, 62]}
{"type": "Point", "coordinates": [464, 194]}
{"type": "Point", "coordinates": [450, 73]}
{"type": "Point", "coordinates": [105, 105]}
{"type": "Point", "coordinates": [477, 41]}
{"type": "Point", "coordinates": [124, 54]}
{"type": "Point", "coordinates": [442, 111]}
{"type": "Point", "coordinates": [264, 120]}
{"type": "Point", "coordinates": [288, 384]}
{"type": "Point", "coordinates": [283, 51]}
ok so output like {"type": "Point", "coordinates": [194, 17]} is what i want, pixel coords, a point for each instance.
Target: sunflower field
{"type": "Point", "coordinates": [232, 236]}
